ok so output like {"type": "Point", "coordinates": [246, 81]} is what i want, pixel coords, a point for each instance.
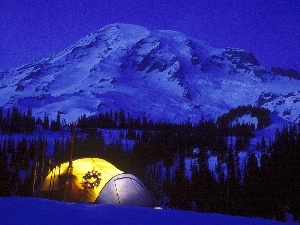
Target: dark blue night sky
{"type": "Point", "coordinates": [33, 29]}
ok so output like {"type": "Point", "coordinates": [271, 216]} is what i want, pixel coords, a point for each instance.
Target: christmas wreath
{"type": "Point", "coordinates": [86, 184]}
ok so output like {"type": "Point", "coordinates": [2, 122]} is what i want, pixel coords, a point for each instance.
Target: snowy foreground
{"type": "Point", "coordinates": [42, 211]}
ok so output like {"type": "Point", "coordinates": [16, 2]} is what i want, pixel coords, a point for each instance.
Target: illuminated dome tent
{"type": "Point", "coordinates": [94, 180]}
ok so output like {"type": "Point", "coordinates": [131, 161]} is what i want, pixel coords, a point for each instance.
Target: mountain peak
{"type": "Point", "coordinates": [162, 74]}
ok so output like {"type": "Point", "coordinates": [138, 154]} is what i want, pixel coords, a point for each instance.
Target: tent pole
{"type": "Point", "coordinates": [68, 181]}
{"type": "Point", "coordinates": [35, 169]}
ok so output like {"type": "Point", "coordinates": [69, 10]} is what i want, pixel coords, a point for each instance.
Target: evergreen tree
{"type": "Point", "coordinates": [46, 122]}
{"type": "Point", "coordinates": [233, 183]}
{"type": "Point", "coordinates": [203, 184]}
{"type": "Point", "coordinates": [4, 175]}
{"type": "Point", "coordinates": [250, 185]}
{"type": "Point", "coordinates": [22, 156]}
{"type": "Point", "coordinates": [264, 190]}
{"type": "Point", "coordinates": [180, 188]}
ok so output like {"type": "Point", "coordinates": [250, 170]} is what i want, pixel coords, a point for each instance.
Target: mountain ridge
{"type": "Point", "coordinates": [163, 75]}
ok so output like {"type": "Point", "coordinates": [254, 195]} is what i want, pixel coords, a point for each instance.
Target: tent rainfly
{"type": "Point", "coordinates": [94, 180]}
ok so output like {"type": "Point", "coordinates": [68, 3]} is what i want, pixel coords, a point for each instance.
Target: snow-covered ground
{"type": "Point", "coordinates": [16, 210]}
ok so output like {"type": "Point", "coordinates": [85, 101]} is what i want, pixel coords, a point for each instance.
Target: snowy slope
{"type": "Point", "coordinates": [41, 211]}
{"type": "Point", "coordinates": [163, 75]}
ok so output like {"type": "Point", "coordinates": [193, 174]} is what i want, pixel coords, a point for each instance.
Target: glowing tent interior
{"type": "Point", "coordinates": [94, 180]}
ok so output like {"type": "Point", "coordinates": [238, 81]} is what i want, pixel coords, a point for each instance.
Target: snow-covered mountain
{"type": "Point", "coordinates": [163, 75]}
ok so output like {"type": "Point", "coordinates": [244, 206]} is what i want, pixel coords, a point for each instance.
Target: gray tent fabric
{"type": "Point", "coordinates": [126, 189]}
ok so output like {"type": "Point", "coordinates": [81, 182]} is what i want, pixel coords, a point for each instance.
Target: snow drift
{"type": "Point", "coordinates": [42, 211]}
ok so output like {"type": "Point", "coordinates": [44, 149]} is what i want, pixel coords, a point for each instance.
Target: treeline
{"type": "Point", "coordinates": [15, 121]}
{"type": "Point", "coordinates": [267, 185]}
{"type": "Point", "coordinates": [117, 120]}
{"type": "Point", "coordinates": [23, 165]}
{"type": "Point", "coordinates": [262, 115]}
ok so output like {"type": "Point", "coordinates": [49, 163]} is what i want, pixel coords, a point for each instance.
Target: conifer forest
{"type": "Point", "coordinates": [263, 185]}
